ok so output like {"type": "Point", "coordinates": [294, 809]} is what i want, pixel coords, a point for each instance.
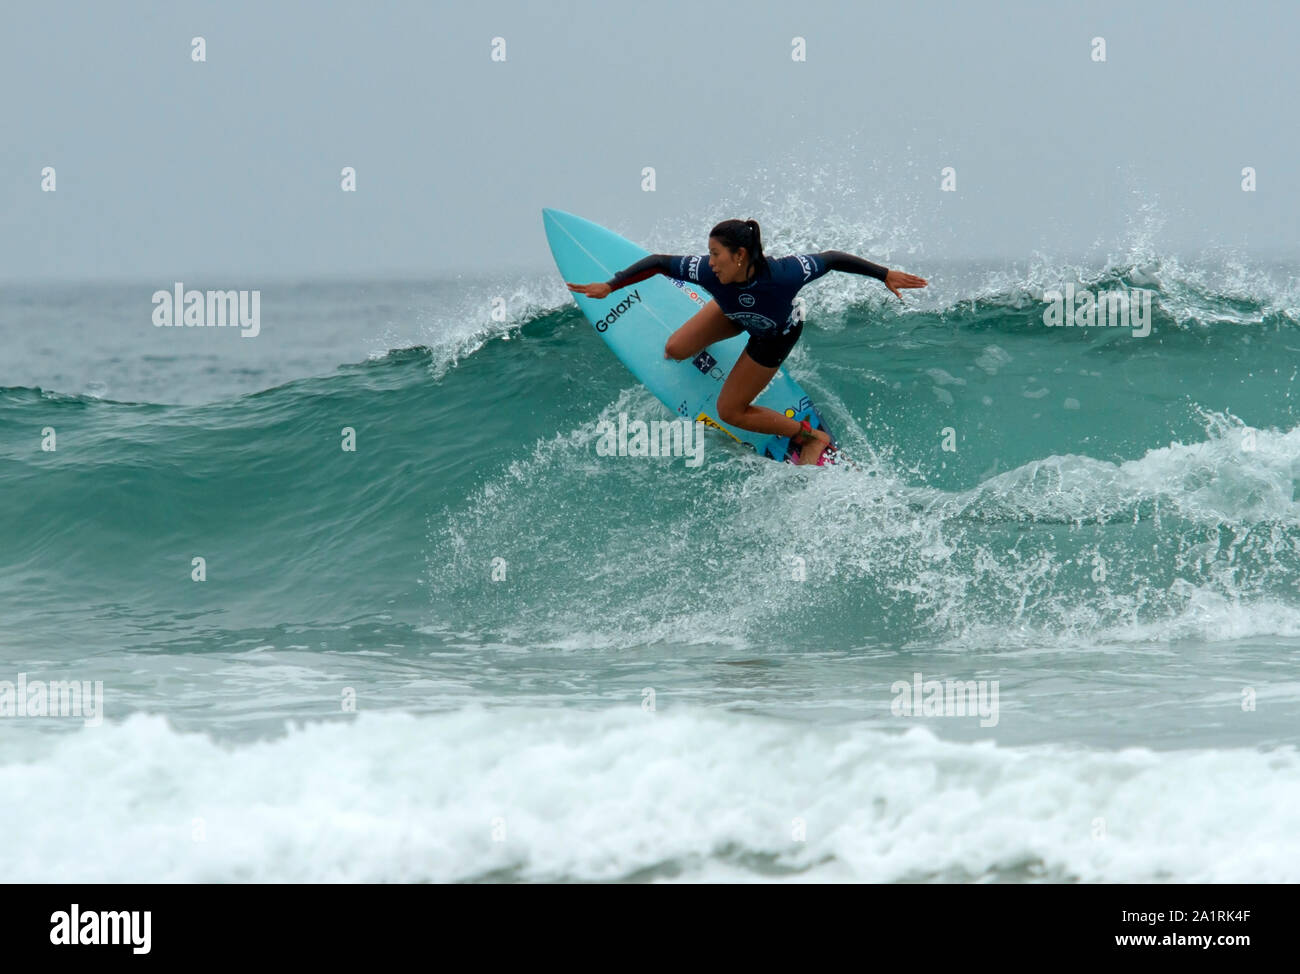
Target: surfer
{"type": "Point", "coordinates": [755, 295]}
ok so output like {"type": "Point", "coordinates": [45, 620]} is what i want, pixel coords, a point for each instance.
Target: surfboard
{"type": "Point", "coordinates": [636, 321]}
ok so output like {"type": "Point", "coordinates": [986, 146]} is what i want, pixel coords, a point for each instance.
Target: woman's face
{"type": "Point", "coordinates": [722, 259]}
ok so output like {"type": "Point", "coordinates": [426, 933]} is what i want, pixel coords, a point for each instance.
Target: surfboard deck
{"type": "Point", "coordinates": [636, 321]}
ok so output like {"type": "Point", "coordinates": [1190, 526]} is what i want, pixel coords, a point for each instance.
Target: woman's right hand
{"type": "Point", "coordinates": [591, 290]}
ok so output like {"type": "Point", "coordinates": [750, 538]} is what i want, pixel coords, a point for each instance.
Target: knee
{"type": "Point", "coordinates": [730, 412]}
{"type": "Point", "coordinates": [675, 349]}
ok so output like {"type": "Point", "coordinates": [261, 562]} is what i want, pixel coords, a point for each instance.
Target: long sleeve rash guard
{"type": "Point", "coordinates": [763, 306]}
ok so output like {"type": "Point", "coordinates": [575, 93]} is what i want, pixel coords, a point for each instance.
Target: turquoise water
{"type": "Point", "coordinates": [475, 649]}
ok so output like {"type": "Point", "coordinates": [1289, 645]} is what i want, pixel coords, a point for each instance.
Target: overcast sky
{"type": "Point", "coordinates": [231, 168]}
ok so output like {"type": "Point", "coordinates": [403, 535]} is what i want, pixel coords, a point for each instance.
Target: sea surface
{"type": "Point", "coordinates": [474, 649]}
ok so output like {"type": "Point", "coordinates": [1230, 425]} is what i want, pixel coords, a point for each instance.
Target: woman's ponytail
{"type": "Point", "coordinates": [756, 249]}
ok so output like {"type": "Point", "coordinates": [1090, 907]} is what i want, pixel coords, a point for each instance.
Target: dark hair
{"type": "Point", "coordinates": [735, 234]}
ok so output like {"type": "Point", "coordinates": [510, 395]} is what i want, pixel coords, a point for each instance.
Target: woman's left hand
{"type": "Point", "coordinates": [897, 279]}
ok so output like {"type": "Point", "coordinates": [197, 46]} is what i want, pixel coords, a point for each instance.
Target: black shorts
{"type": "Point", "coordinates": [770, 350]}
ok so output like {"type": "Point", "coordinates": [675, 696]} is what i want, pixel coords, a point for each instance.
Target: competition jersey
{"type": "Point", "coordinates": [765, 305]}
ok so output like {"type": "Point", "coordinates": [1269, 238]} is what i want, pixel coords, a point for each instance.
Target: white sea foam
{"type": "Point", "coordinates": [919, 562]}
{"type": "Point", "coordinates": [545, 794]}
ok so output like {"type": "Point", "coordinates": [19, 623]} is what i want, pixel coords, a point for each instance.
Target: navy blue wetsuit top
{"type": "Point", "coordinates": [764, 306]}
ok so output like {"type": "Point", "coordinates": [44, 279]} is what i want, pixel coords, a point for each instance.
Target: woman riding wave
{"type": "Point", "coordinates": [754, 295]}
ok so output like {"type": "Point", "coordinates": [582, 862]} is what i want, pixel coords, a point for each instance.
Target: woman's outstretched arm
{"type": "Point", "coordinates": [838, 260]}
{"type": "Point", "coordinates": [643, 268]}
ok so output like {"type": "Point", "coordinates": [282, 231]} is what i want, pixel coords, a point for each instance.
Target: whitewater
{"type": "Point", "coordinates": [475, 649]}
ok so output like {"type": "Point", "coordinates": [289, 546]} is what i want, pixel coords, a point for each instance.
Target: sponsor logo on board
{"type": "Point", "coordinates": [602, 324]}
{"type": "Point", "coordinates": [707, 364]}
{"type": "Point", "coordinates": [708, 421]}
{"type": "Point", "coordinates": [689, 291]}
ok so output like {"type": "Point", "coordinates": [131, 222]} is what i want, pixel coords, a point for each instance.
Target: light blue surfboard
{"type": "Point", "coordinates": [636, 321]}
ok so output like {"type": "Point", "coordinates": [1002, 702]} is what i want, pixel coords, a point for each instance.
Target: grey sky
{"type": "Point", "coordinates": [227, 172]}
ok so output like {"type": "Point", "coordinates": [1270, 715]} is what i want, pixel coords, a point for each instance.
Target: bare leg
{"type": "Point", "coordinates": [735, 406]}
{"type": "Point", "coordinates": [702, 329]}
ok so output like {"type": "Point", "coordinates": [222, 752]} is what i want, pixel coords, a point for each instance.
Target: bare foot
{"type": "Point", "coordinates": [811, 451]}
